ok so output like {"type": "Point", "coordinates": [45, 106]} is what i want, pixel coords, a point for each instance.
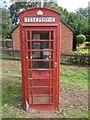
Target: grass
{"type": "Point", "coordinates": [74, 74]}
{"type": "Point", "coordinates": [73, 93]}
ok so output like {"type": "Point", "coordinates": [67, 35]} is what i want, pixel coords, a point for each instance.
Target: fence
{"type": "Point", "coordinates": [75, 59]}
{"type": "Point", "coordinates": [7, 43]}
{"type": "Point", "coordinates": [65, 59]}
{"type": "Point", "coordinates": [11, 54]}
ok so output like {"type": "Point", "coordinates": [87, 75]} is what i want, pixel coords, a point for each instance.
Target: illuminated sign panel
{"type": "Point", "coordinates": [39, 19]}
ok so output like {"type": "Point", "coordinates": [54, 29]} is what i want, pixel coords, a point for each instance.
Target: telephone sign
{"type": "Point", "coordinates": [39, 19]}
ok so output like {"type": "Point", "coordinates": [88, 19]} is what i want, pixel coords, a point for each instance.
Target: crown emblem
{"type": "Point", "coordinates": [39, 12]}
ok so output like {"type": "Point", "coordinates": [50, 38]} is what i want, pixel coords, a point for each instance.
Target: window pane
{"type": "Point", "coordinates": [40, 35]}
{"type": "Point", "coordinates": [36, 55]}
{"type": "Point", "coordinates": [28, 45]}
{"type": "Point", "coordinates": [42, 64]}
{"type": "Point", "coordinates": [35, 45]}
{"type": "Point", "coordinates": [51, 45]}
{"type": "Point", "coordinates": [51, 35]}
{"type": "Point", "coordinates": [40, 45]}
{"type": "Point", "coordinates": [29, 65]}
{"type": "Point", "coordinates": [28, 55]}
{"type": "Point", "coordinates": [28, 35]}
{"type": "Point", "coordinates": [41, 100]}
{"type": "Point", "coordinates": [42, 55]}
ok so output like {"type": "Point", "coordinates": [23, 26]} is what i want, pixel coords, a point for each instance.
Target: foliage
{"type": "Point", "coordinates": [78, 20]}
{"type": "Point", "coordinates": [81, 38]}
{"type": "Point", "coordinates": [83, 12]}
{"type": "Point", "coordinates": [83, 51]}
{"type": "Point", "coordinates": [76, 59]}
{"type": "Point", "coordinates": [81, 56]}
{"type": "Point", "coordinates": [6, 23]}
{"type": "Point", "coordinates": [79, 59]}
{"type": "Point", "coordinates": [83, 16]}
{"type": "Point", "coordinates": [17, 7]}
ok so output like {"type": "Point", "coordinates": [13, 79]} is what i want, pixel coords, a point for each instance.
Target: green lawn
{"type": "Point", "coordinates": [73, 93]}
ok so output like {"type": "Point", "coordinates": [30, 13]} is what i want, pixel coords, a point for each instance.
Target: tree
{"type": "Point", "coordinates": [83, 16]}
{"type": "Point", "coordinates": [78, 20]}
{"type": "Point", "coordinates": [83, 12]}
{"type": "Point", "coordinates": [16, 7]}
{"type": "Point", "coordinates": [80, 39]}
{"type": "Point", "coordinates": [6, 23]}
{"type": "Point", "coordinates": [5, 20]}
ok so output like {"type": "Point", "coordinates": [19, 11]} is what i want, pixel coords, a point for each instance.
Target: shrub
{"type": "Point", "coordinates": [79, 59]}
{"type": "Point", "coordinates": [80, 39]}
{"type": "Point", "coordinates": [84, 51]}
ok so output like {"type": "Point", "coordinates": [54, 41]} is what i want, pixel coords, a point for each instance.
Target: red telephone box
{"type": "Point", "coordinates": [40, 58]}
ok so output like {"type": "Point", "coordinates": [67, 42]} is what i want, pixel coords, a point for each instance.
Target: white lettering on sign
{"type": "Point", "coordinates": [39, 19]}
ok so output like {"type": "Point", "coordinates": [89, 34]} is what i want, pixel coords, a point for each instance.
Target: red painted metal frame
{"type": "Point", "coordinates": [44, 50]}
{"type": "Point", "coordinates": [24, 61]}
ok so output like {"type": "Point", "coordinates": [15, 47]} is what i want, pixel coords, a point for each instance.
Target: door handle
{"type": "Point", "coordinates": [55, 64]}
{"type": "Point", "coordinates": [26, 57]}
{"type": "Point", "coordinates": [30, 57]}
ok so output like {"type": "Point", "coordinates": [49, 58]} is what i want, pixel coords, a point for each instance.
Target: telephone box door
{"type": "Point", "coordinates": [41, 62]}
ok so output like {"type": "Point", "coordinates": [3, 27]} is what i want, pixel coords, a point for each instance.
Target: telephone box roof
{"type": "Point", "coordinates": [40, 9]}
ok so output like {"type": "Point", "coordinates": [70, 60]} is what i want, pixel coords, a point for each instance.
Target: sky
{"type": "Point", "coordinates": [70, 5]}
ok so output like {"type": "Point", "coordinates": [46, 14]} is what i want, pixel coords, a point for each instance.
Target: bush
{"type": "Point", "coordinates": [79, 59]}
{"type": "Point", "coordinates": [84, 51]}
{"type": "Point", "coordinates": [80, 39]}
